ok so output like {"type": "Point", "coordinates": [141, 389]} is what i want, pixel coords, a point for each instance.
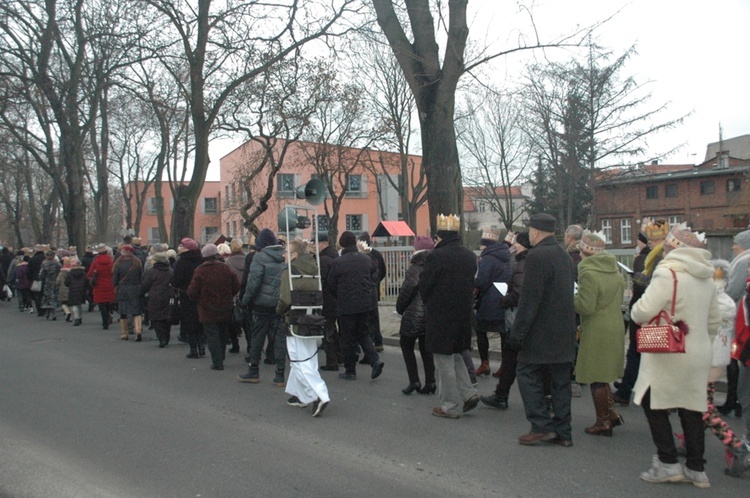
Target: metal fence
{"type": "Point", "coordinates": [397, 261]}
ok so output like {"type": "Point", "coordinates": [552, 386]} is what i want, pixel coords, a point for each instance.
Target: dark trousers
{"type": "Point", "coordinates": [661, 434]}
{"type": "Point", "coordinates": [373, 324]}
{"type": "Point", "coordinates": [410, 359]}
{"type": "Point", "coordinates": [332, 344]}
{"type": "Point", "coordinates": [271, 326]}
{"type": "Point", "coordinates": [38, 302]}
{"type": "Point", "coordinates": [105, 309]}
{"type": "Point", "coordinates": [353, 329]}
{"type": "Point", "coordinates": [632, 363]}
{"type": "Point", "coordinates": [507, 368]}
{"type": "Point", "coordinates": [162, 329]}
{"type": "Point", "coordinates": [230, 335]}
{"type": "Point", "coordinates": [483, 342]}
{"type": "Point", "coordinates": [531, 384]}
{"type": "Point", "coordinates": [216, 342]}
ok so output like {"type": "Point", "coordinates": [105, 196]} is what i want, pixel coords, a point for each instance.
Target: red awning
{"type": "Point", "coordinates": [393, 229]}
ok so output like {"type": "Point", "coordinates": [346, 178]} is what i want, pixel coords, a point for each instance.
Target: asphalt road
{"type": "Point", "coordinates": [83, 414]}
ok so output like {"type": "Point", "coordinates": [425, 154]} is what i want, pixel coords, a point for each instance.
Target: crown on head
{"type": "Point", "coordinates": [451, 223]}
{"type": "Point", "coordinates": [655, 229]}
{"type": "Point", "coordinates": [682, 236]}
{"type": "Point", "coordinates": [363, 247]}
{"type": "Point", "coordinates": [592, 242]}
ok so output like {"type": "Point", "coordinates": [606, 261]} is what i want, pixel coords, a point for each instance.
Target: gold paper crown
{"type": "Point", "coordinates": [592, 242]}
{"type": "Point", "coordinates": [656, 229]}
{"type": "Point", "coordinates": [682, 236]}
{"type": "Point", "coordinates": [451, 223]}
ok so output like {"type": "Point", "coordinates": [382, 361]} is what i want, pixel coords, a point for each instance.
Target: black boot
{"type": "Point", "coordinates": [731, 404]}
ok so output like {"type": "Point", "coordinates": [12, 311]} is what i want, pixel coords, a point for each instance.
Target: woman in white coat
{"type": "Point", "coordinates": [673, 380]}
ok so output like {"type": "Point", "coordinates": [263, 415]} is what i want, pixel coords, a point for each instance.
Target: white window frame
{"type": "Point", "coordinates": [626, 231]}
{"type": "Point", "coordinates": [210, 210]}
{"type": "Point", "coordinates": [607, 230]}
{"type": "Point", "coordinates": [673, 220]}
{"type": "Point", "coordinates": [154, 236]}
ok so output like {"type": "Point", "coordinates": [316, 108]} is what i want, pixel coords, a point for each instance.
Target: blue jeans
{"type": "Point", "coordinates": [530, 378]}
{"type": "Point", "coordinates": [272, 326]}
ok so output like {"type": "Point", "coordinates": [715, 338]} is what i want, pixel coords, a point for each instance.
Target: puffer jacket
{"type": "Point", "coordinates": [409, 303]}
{"type": "Point", "coordinates": [494, 266]}
{"type": "Point", "coordinates": [351, 278]}
{"type": "Point", "coordinates": [264, 279]}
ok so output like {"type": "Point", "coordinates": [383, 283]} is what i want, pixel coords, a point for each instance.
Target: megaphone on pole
{"type": "Point", "coordinates": [314, 192]}
{"type": "Point", "coordinates": [290, 220]}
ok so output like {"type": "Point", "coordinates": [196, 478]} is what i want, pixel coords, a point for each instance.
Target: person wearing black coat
{"type": "Point", "coordinates": [156, 286]}
{"type": "Point", "coordinates": [494, 267]}
{"type": "Point", "coordinates": [86, 260]}
{"type": "Point", "coordinates": [446, 286]}
{"type": "Point", "coordinates": [190, 326]}
{"type": "Point", "coordinates": [374, 319]}
{"type": "Point", "coordinates": [351, 278]}
{"type": "Point", "coordinates": [411, 308]}
{"type": "Point", "coordinates": [506, 374]}
{"type": "Point", "coordinates": [544, 334]}
{"type": "Point", "coordinates": [331, 342]}
{"type": "Point", "coordinates": [35, 266]}
{"type": "Point", "coordinates": [78, 290]}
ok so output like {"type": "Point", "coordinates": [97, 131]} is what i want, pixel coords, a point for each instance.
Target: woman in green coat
{"type": "Point", "coordinates": [601, 353]}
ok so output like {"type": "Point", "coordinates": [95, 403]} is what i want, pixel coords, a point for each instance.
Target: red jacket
{"type": "Point", "coordinates": [104, 290]}
{"type": "Point", "coordinates": [741, 332]}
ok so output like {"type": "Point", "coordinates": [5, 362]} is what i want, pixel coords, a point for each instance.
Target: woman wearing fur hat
{"type": "Point", "coordinates": [601, 357]}
{"type": "Point", "coordinates": [409, 304]}
{"type": "Point", "coordinates": [127, 274]}
{"type": "Point", "coordinates": [48, 275]}
{"type": "Point", "coordinates": [678, 381]}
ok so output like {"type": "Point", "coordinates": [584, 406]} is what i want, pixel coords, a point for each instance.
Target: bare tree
{"type": "Point", "coordinates": [223, 48]}
{"type": "Point", "coordinates": [491, 133]}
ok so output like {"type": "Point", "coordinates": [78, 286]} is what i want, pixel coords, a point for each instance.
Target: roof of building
{"type": "Point", "coordinates": [738, 147]}
{"type": "Point", "coordinates": [393, 229]}
{"type": "Point", "coordinates": [659, 172]}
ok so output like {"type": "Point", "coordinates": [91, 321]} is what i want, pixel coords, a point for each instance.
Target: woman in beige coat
{"type": "Point", "coordinates": [673, 380]}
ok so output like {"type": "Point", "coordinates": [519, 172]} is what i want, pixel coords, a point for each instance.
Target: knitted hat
{"type": "Point", "coordinates": [543, 222]}
{"type": "Point", "coordinates": [681, 236]}
{"type": "Point", "coordinates": [265, 238]}
{"type": "Point", "coordinates": [189, 244]}
{"type": "Point", "coordinates": [592, 243]}
{"type": "Point", "coordinates": [161, 257]}
{"type": "Point", "coordinates": [322, 237]}
{"type": "Point", "coordinates": [209, 250]}
{"type": "Point", "coordinates": [423, 243]}
{"type": "Point", "coordinates": [742, 239]}
{"type": "Point", "coordinates": [655, 230]}
{"type": "Point", "coordinates": [523, 239]}
{"type": "Point", "coordinates": [224, 249]}
{"type": "Point", "coordinates": [347, 239]}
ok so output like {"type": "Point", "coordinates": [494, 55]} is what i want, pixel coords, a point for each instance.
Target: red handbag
{"type": "Point", "coordinates": [656, 337]}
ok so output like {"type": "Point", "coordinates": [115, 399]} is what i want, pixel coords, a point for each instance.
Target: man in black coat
{"type": "Point", "coordinates": [544, 334]}
{"type": "Point", "coordinates": [350, 278]}
{"type": "Point", "coordinates": [35, 266]}
{"type": "Point", "coordinates": [331, 344]}
{"type": "Point", "coordinates": [374, 319]}
{"type": "Point", "coordinates": [446, 286]}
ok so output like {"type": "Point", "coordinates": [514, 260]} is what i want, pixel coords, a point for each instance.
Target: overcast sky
{"type": "Point", "coordinates": [694, 53]}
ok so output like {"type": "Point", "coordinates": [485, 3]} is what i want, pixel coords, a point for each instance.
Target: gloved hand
{"type": "Point", "coordinates": [515, 342]}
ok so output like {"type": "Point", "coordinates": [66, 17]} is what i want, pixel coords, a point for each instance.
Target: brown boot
{"type": "Point", "coordinates": [484, 368]}
{"type": "Point", "coordinates": [614, 418]}
{"type": "Point", "coordinates": [602, 426]}
{"type": "Point", "coordinates": [123, 330]}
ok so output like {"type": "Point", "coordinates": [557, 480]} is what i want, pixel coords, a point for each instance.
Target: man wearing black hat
{"type": "Point", "coordinates": [543, 333]}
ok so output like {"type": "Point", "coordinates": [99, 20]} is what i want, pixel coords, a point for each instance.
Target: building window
{"type": "Point", "coordinates": [607, 229]}
{"type": "Point", "coordinates": [482, 207]}
{"type": "Point", "coordinates": [354, 222]}
{"type": "Point", "coordinates": [151, 208]}
{"type": "Point", "coordinates": [626, 232]}
{"type": "Point", "coordinates": [210, 205]}
{"type": "Point", "coordinates": [670, 190]}
{"type": "Point", "coordinates": [208, 233]}
{"type": "Point", "coordinates": [322, 223]}
{"type": "Point", "coordinates": [652, 192]}
{"type": "Point", "coordinates": [285, 184]}
{"type": "Point", "coordinates": [673, 220]}
{"type": "Point", "coordinates": [154, 237]}
{"type": "Point", "coordinates": [355, 186]}
{"type": "Point", "coordinates": [734, 185]}
{"type": "Point", "coordinates": [707, 187]}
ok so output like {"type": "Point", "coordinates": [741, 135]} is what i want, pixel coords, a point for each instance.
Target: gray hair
{"type": "Point", "coordinates": [574, 231]}
{"type": "Point", "coordinates": [722, 264]}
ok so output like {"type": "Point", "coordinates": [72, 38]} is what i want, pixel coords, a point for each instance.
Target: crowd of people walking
{"type": "Point", "coordinates": [558, 310]}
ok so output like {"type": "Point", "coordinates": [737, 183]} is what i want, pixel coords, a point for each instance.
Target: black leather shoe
{"type": "Point", "coordinates": [217, 367]}
{"type": "Point", "coordinates": [428, 389]}
{"type": "Point", "coordinates": [414, 386]}
{"type": "Point", "coordinates": [348, 376]}
{"type": "Point", "coordinates": [192, 354]}
{"type": "Point", "coordinates": [377, 369]}
{"type": "Point", "coordinates": [494, 401]}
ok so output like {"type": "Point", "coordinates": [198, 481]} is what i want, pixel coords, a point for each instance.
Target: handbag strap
{"type": "Point", "coordinates": [674, 292]}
